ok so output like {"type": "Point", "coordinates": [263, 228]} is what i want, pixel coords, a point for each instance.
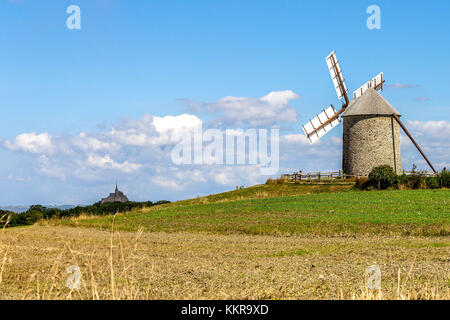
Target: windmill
{"type": "Point", "coordinates": [371, 125]}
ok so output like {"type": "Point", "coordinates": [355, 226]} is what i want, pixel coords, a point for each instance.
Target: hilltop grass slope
{"type": "Point", "coordinates": [293, 210]}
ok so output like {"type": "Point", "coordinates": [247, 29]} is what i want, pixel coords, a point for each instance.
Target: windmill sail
{"type": "Point", "coordinates": [376, 83]}
{"type": "Point", "coordinates": [338, 79]}
{"type": "Point", "coordinates": [321, 124]}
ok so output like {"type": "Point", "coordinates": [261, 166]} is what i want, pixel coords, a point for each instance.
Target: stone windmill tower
{"type": "Point", "coordinates": [371, 135]}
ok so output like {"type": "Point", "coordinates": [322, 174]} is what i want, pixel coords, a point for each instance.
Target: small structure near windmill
{"type": "Point", "coordinates": [371, 135]}
{"type": "Point", "coordinates": [117, 196]}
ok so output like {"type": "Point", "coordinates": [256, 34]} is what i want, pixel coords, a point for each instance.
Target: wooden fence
{"type": "Point", "coordinates": [317, 176]}
{"type": "Point", "coordinates": [422, 173]}
{"type": "Point", "coordinates": [337, 175]}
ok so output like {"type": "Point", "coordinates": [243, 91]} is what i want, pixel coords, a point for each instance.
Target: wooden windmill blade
{"type": "Point", "coordinates": [323, 123]}
{"type": "Point", "coordinates": [338, 79]}
{"type": "Point", "coordinates": [396, 117]}
{"type": "Point", "coordinates": [376, 83]}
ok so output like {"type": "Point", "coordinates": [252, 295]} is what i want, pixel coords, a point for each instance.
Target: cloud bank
{"type": "Point", "coordinates": [83, 167]}
{"type": "Point", "coordinates": [274, 108]}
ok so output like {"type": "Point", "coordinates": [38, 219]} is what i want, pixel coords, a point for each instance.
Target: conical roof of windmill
{"type": "Point", "coordinates": [370, 103]}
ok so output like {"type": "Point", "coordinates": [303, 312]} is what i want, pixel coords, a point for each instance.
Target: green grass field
{"type": "Point", "coordinates": [336, 212]}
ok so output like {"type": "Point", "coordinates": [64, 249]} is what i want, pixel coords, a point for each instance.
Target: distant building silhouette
{"type": "Point", "coordinates": [117, 196]}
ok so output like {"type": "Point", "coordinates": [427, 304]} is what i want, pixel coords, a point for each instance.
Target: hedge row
{"type": "Point", "coordinates": [384, 177]}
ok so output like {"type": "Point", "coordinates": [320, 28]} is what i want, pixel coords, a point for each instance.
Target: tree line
{"type": "Point", "coordinates": [38, 212]}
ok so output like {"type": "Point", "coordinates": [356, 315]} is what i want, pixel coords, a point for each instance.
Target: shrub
{"type": "Point", "coordinates": [362, 183]}
{"type": "Point", "coordinates": [383, 177]}
{"type": "Point", "coordinates": [433, 182]}
{"type": "Point", "coordinates": [33, 216]}
{"type": "Point", "coordinates": [271, 181]}
{"type": "Point", "coordinates": [158, 203]}
{"type": "Point", "coordinates": [24, 219]}
{"type": "Point", "coordinates": [403, 179]}
{"type": "Point", "coordinates": [445, 178]}
{"type": "Point", "coordinates": [416, 180]}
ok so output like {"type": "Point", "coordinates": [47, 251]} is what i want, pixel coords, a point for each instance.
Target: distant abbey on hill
{"type": "Point", "coordinates": [117, 196]}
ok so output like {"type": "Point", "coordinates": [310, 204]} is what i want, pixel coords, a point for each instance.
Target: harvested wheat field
{"type": "Point", "coordinates": [201, 266]}
{"type": "Point", "coordinates": [308, 246]}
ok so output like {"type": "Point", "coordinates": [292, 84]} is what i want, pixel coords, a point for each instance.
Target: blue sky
{"type": "Point", "coordinates": [137, 58]}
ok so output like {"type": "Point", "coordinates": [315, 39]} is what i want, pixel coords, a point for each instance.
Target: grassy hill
{"type": "Point", "coordinates": [293, 210]}
{"type": "Point", "coordinates": [271, 191]}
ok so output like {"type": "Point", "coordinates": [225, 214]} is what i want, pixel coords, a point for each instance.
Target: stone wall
{"type": "Point", "coordinates": [370, 141]}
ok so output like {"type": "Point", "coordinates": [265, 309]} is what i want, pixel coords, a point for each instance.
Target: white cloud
{"type": "Point", "coordinates": [13, 177]}
{"type": "Point", "coordinates": [31, 143]}
{"type": "Point", "coordinates": [150, 130]}
{"type": "Point", "coordinates": [254, 112]}
{"type": "Point", "coordinates": [194, 175]}
{"type": "Point", "coordinates": [296, 138]}
{"type": "Point", "coordinates": [106, 162]}
{"type": "Point", "coordinates": [51, 168]}
{"type": "Point", "coordinates": [230, 176]}
{"type": "Point", "coordinates": [181, 122]}
{"type": "Point", "coordinates": [130, 137]}
{"type": "Point", "coordinates": [166, 183]}
{"type": "Point", "coordinates": [280, 98]}
{"type": "Point", "coordinates": [138, 152]}
{"type": "Point", "coordinates": [172, 128]}
{"type": "Point", "coordinates": [87, 143]}
{"type": "Point", "coordinates": [140, 149]}
{"type": "Point", "coordinates": [432, 137]}
{"type": "Point", "coordinates": [433, 129]}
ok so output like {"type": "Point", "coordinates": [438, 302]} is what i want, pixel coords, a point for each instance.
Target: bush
{"type": "Point", "coordinates": [24, 219]}
{"type": "Point", "coordinates": [416, 180]}
{"type": "Point", "coordinates": [445, 178]}
{"type": "Point", "coordinates": [158, 203]}
{"type": "Point", "coordinates": [278, 181]}
{"type": "Point", "coordinates": [362, 183]}
{"type": "Point", "coordinates": [433, 182]}
{"type": "Point", "coordinates": [403, 179]}
{"type": "Point", "coordinates": [383, 177]}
